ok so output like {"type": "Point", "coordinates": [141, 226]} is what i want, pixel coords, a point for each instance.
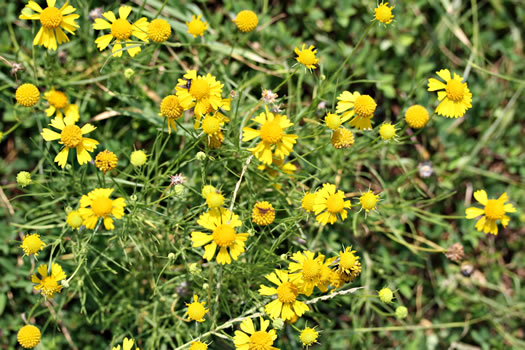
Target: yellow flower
{"type": "Point", "coordinates": [211, 124]}
{"type": "Point", "coordinates": [329, 203]}
{"type": "Point", "coordinates": [106, 161]}
{"type": "Point", "coordinates": [250, 339]}
{"type": "Point", "coordinates": [74, 219]}
{"type": "Point", "coordinates": [326, 274]}
{"type": "Point", "coordinates": [58, 103]}
{"type": "Point", "coordinates": [334, 121]}
{"type": "Point", "coordinates": [494, 210]}
{"type": "Point", "coordinates": [360, 107]}
{"type": "Point", "coordinates": [215, 141]}
{"type": "Point", "coordinates": [127, 344]}
{"type": "Point", "coordinates": [48, 284]}
{"type": "Point", "coordinates": [342, 138]}
{"type": "Point", "coordinates": [308, 336]}
{"type": "Point", "coordinates": [213, 196]}
{"type": "Point", "coordinates": [196, 310]}
{"type": "Point", "coordinates": [171, 108]}
{"type": "Point", "coordinates": [121, 31]}
{"type": "Point", "coordinates": [222, 223]}
{"type": "Point", "coordinates": [32, 244]}
{"type": "Point", "coordinates": [204, 91]}
{"type": "Point", "coordinates": [416, 116]}
{"type": "Point", "coordinates": [97, 205]}
{"type": "Point", "coordinates": [306, 270]}
{"type": "Point", "coordinates": [53, 20]}
{"type": "Point", "coordinates": [368, 201]}
{"type": "Point", "coordinates": [454, 95]}
{"type": "Point", "coordinates": [246, 21]}
{"type": "Point", "coordinates": [272, 137]}
{"type": "Point", "coordinates": [307, 56]}
{"type": "Point", "coordinates": [263, 213]}
{"type": "Point", "coordinates": [387, 131]}
{"type": "Point", "coordinates": [196, 26]}
{"type": "Point", "coordinates": [27, 95]}
{"type": "Point", "coordinates": [71, 137]}
{"type": "Point", "coordinates": [348, 261]}
{"type": "Point", "coordinates": [384, 13]}
{"type": "Point", "coordinates": [308, 201]}
{"type": "Point", "coordinates": [159, 30]}
{"type": "Point", "coordinates": [386, 295]}
{"type": "Point", "coordinates": [23, 178]}
{"type": "Point", "coordinates": [286, 305]}
{"type": "Point", "coordinates": [197, 345]}
{"type": "Point", "coordinates": [138, 158]}
{"type": "Point", "coordinates": [29, 336]}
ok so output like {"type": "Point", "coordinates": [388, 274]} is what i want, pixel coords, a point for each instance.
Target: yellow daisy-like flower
{"type": "Point", "coordinates": [454, 95]}
{"type": "Point", "coordinates": [159, 30]}
{"type": "Point", "coordinates": [263, 213]}
{"type": "Point", "coordinates": [368, 201]}
{"type": "Point", "coordinates": [127, 344]}
{"type": "Point", "coordinates": [307, 56]}
{"type": "Point", "coordinates": [71, 136]}
{"type": "Point", "coordinates": [74, 219]}
{"type": "Point", "coordinates": [387, 131]}
{"type": "Point", "coordinates": [416, 116]}
{"type": "Point", "coordinates": [204, 91]}
{"type": "Point", "coordinates": [308, 336]}
{"type": "Point", "coordinates": [197, 345]}
{"type": "Point", "coordinates": [326, 274]}
{"type": "Point", "coordinates": [23, 178]}
{"type": "Point", "coordinates": [211, 124]}
{"type": "Point", "coordinates": [286, 305]}
{"type": "Point", "coordinates": [334, 121]}
{"type": "Point", "coordinates": [58, 102]}
{"type": "Point", "coordinates": [196, 26]}
{"type": "Point", "coordinates": [29, 336]}
{"type": "Point", "coordinates": [342, 138]}
{"type": "Point", "coordinates": [97, 205]}
{"type": "Point", "coordinates": [106, 161]}
{"type": "Point", "coordinates": [53, 20]}
{"type": "Point", "coordinates": [494, 210]}
{"type": "Point", "coordinates": [308, 201]}
{"type": "Point", "coordinates": [27, 95]}
{"type": "Point", "coordinates": [213, 196]}
{"type": "Point", "coordinates": [48, 284]}
{"type": "Point", "coordinates": [383, 13]}
{"type": "Point", "coordinates": [121, 31]}
{"type": "Point", "coordinates": [360, 107]}
{"type": "Point", "coordinates": [171, 108]}
{"type": "Point", "coordinates": [273, 138]}
{"type": "Point", "coordinates": [348, 261]}
{"type": "Point", "coordinates": [222, 223]}
{"type": "Point", "coordinates": [306, 270]}
{"type": "Point", "coordinates": [246, 21]}
{"type": "Point", "coordinates": [330, 202]}
{"type": "Point", "coordinates": [196, 310]}
{"type": "Point", "coordinates": [250, 339]}
{"type": "Point", "coordinates": [138, 158]}
{"type": "Point", "coordinates": [32, 244]}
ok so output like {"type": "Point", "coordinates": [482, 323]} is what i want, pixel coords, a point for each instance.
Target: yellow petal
{"type": "Point", "coordinates": [51, 3]}
{"type": "Point", "coordinates": [209, 251]}
{"type": "Point", "coordinates": [481, 196]}
{"type": "Point", "coordinates": [103, 41]}
{"type": "Point", "coordinates": [50, 135]}
{"type": "Point", "coordinates": [38, 36]}
{"type": "Point", "coordinates": [34, 6]}
{"type": "Point", "coordinates": [110, 16]}
{"type": "Point", "coordinates": [223, 257]}
{"type": "Point", "coordinates": [101, 24]}
{"type": "Point", "coordinates": [200, 238]}
{"type": "Point", "coordinates": [247, 326]}
{"type": "Point", "coordinates": [87, 129]}
{"type": "Point", "coordinates": [434, 84]}
{"type": "Point", "coordinates": [474, 212]}
{"type": "Point", "coordinates": [61, 157]}
{"type": "Point", "coordinates": [444, 74]}
{"type": "Point", "coordinates": [124, 11]}
{"type": "Point", "coordinates": [108, 223]}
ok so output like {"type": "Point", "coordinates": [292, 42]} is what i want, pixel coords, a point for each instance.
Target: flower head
{"type": "Point", "coordinates": [386, 295]}
{"type": "Point", "coordinates": [383, 13]}
{"type": "Point", "coordinates": [53, 20]}
{"type": "Point", "coordinates": [29, 336]}
{"type": "Point", "coordinates": [23, 178]}
{"type": "Point", "coordinates": [368, 201]}
{"type": "Point", "coordinates": [213, 196]}
{"type": "Point", "coordinates": [263, 213]}
{"type": "Point", "coordinates": [493, 211]}
{"type": "Point", "coordinates": [342, 138]}
{"type": "Point", "coordinates": [171, 108]}
{"type": "Point", "coordinates": [401, 312]}
{"type": "Point", "coordinates": [48, 284]}
{"type": "Point", "coordinates": [121, 31]}
{"type": "Point", "coordinates": [222, 223]}
{"type": "Point", "coordinates": [454, 94]}
{"type": "Point", "coordinates": [58, 102]}
{"type": "Point", "coordinates": [71, 136]}
{"type": "Point", "coordinates": [348, 262]}
{"type": "Point", "coordinates": [308, 201]}
{"type": "Point", "coordinates": [32, 244]}
{"type": "Point", "coordinates": [159, 30]}
{"type": "Point", "coordinates": [329, 203]}
{"type": "Point", "coordinates": [97, 205]}
{"type": "Point", "coordinates": [307, 56]}
{"type": "Point", "coordinates": [196, 26]}
{"type": "Point", "coordinates": [74, 219]}
{"type": "Point", "coordinates": [196, 310]}
{"type": "Point", "coordinates": [246, 21]}
{"type": "Point", "coordinates": [27, 95]}
{"type": "Point", "coordinates": [308, 336]}
{"type": "Point", "coordinates": [360, 107]}
{"type": "Point", "coordinates": [127, 344]}
{"type": "Point", "coordinates": [334, 121]}
{"type": "Point", "coordinates": [416, 116]}
{"type": "Point", "coordinates": [106, 161]}
{"type": "Point", "coordinates": [306, 270]}
{"type": "Point", "coordinates": [138, 158]}
{"type": "Point", "coordinates": [197, 345]}
{"type": "Point", "coordinates": [204, 92]}
{"type": "Point", "coordinates": [250, 339]}
{"type": "Point", "coordinates": [387, 131]}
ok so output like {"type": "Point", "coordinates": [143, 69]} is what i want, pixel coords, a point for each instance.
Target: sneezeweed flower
{"type": "Point", "coordinates": [383, 13]}
{"type": "Point", "coordinates": [368, 201]}
{"type": "Point", "coordinates": [196, 310]}
{"type": "Point", "coordinates": [214, 198]}
{"type": "Point", "coordinates": [342, 138]}
{"type": "Point", "coordinates": [223, 235]}
{"type": "Point", "coordinates": [250, 339]}
{"type": "Point", "coordinates": [127, 344]}
{"type": "Point", "coordinates": [326, 273]}
{"type": "Point", "coordinates": [138, 158]}
{"type": "Point", "coordinates": [211, 124]}
{"type": "Point", "coordinates": [27, 95]}
{"type": "Point", "coordinates": [305, 270]}
{"type": "Point", "coordinates": [454, 95]}
{"type": "Point", "coordinates": [29, 336]}
{"type": "Point", "coordinates": [330, 202]}
{"type": "Point", "coordinates": [308, 201]}
{"type": "Point", "coordinates": [32, 244]}
{"type": "Point", "coordinates": [59, 104]}
{"type": "Point", "coordinates": [493, 211]}
{"type": "Point", "coordinates": [416, 116]}
{"type": "Point", "coordinates": [197, 345]}
{"type": "Point", "coordinates": [71, 136]}
{"type": "Point", "coordinates": [273, 138]}
{"type": "Point", "coordinates": [387, 131]}
{"type": "Point", "coordinates": [53, 20]}
{"type": "Point", "coordinates": [48, 284]}
{"type": "Point", "coordinates": [286, 305]}
{"type": "Point", "coordinates": [196, 26]}
{"type": "Point", "coordinates": [308, 336]}
{"type": "Point", "coordinates": [348, 262]}
{"type": "Point", "coordinates": [204, 91]}
{"type": "Point", "coordinates": [306, 56]}
{"type": "Point", "coordinates": [106, 161]}
{"type": "Point", "coordinates": [246, 21]}
{"type": "Point", "coordinates": [401, 312]}
{"type": "Point", "coordinates": [386, 295]}
{"type": "Point", "coordinates": [97, 205]}
{"type": "Point", "coordinates": [159, 30]}
{"type": "Point", "coordinates": [74, 219]}
{"type": "Point", "coordinates": [121, 31]}
{"type": "Point", "coordinates": [263, 213]}
{"type": "Point", "coordinates": [23, 178]}
{"type": "Point", "coordinates": [171, 108]}
{"type": "Point", "coordinates": [360, 107]}
{"type": "Point", "coordinates": [334, 121]}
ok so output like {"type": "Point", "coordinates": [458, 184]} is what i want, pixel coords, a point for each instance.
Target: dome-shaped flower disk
{"type": "Point", "coordinates": [171, 108]}
{"type": "Point", "coordinates": [263, 213]}
{"type": "Point", "coordinates": [196, 310]}
{"type": "Point", "coordinates": [246, 21]}
{"type": "Point", "coordinates": [159, 30]}
{"type": "Point", "coordinates": [383, 13]}
{"type": "Point", "coordinates": [27, 95]}
{"type": "Point", "coordinates": [308, 336]}
{"type": "Point", "coordinates": [454, 94]}
{"type": "Point", "coordinates": [360, 107]}
{"type": "Point", "coordinates": [121, 31]}
{"type": "Point", "coordinates": [58, 102]}
{"type": "Point", "coordinates": [250, 339]}
{"type": "Point", "coordinates": [342, 138]}
{"type": "Point", "coordinates": [202, 91]}
{"type": "Point", "coordinates": [32, 244]}
{"type": "Point", "coordinates": [196, 26]}
{"type": "Point", "coordinates": [29, 336]}
{"type": "Point", "coordinates": [330, 202]}
{"type": "Point", "coordinates": [416, 116]}
{"type": "Point", "coordinates": [306, 56]}
{"type": "Point", "coordinates": [53, 20]}
{"type": "Point", "coordinates": [493, 211]}
{"type": "Point", "coordinates": [306, 270]}
{"type": "Point", "coordinates": [97, 205]}
{"type": "Point", "coordinates": [48, 284]}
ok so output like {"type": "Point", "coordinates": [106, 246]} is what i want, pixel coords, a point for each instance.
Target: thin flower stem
{"type": "Point", "coordinates": [286, 80]}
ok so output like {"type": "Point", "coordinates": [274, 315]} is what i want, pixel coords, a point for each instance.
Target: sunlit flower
{"type": "Point", "coordinates": [250, 339]}
{"type": "Point", "coordinates": [330, 202]}
{"type": "Point", "coordinates": [383, 13]}
{"type": "Point", "coordinates": [23, 178]}
{"type": "Point", "coordinates": [416, 116]}
{"type": "Point", "coordinates": [204, 91]}
{"type": "Point", "coordinates": [306, 56]}
{"type": "Point", "coordinates": [348, 262]}
{"type": "Point", "coordinates": [106, 161]}
{"type": "Point", "coordinates": [386, 295]}
{"type": "Point", "coordinates": [213, 196]}
{"type": "Point", "coordinates": [58, 102]}
{"type": "Point", "coordinates": [48, 284]}
{"type": "Point", "coordinates": [494, 210]}
{"type": "Point", "coordinates": [342, 138]}
{"type": "Point", "coordinates": [387, 131]}
{"type": "Point", "coordinates": [171, 108]}
{"type": "Point", "coordinates": [263, 213]}
{"type": "Point", "coordinates": [368, 201]}
{"type": "Point", "coordinates": [306, 270]}
{"type": "Point", "coordinates": [360, 107]}
{"type": "Point", "coordinates": [196, 309]}
{"type": "Point", "coordinates": [127, 344]}
{"type": "Point", "coordinates": [454, 94]}
{"type": "Point", "coordinates": [246, 21]}
{"type": "Point", "coordinates": [32, 244]}
{"type": "Point", "coordinates": [334, 121]}
{"type": "Point", "coordinates": [159, 30]}
{"type": "Point", "coordinates": [97, 205]}
{"type": "Point", "coordinates": [196, 26]}
{"type": "Point", "coordinates": [308, 336]}
{"type": "Point", "coordinates": [74, 219]}
{"type": "Point", "coordinates": [308, 201]}
{"type": "Point", "coordinates": [29, 336]}
{"type": "Point", "coordinates": [27, 95]}
{"type": "Point", "coordinates": [138, 158]}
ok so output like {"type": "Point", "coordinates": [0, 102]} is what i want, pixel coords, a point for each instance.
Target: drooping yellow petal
{"type": "Point", "coordinates": [61, 158]}
{"type": "Point", "coordinates": [481, 196]}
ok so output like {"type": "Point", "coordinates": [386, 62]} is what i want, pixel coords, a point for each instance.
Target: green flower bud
{"type": "Point", "coordinates": [23, 178]}
{"type": "Point", "coordinates": [401, 312]}
{"type": "Point", "coordinates": [201, 156]}
{"type": "Point", "coordinates": [386, 295]}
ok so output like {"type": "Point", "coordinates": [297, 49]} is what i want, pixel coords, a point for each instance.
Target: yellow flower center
{"type": "Point", "coordinates": [224, 235]}
{"type": "Point", "coordinates": [121, 29]}
{"type": "Point", "coordinates": [307, 57]}
{"type": "Point", "coordinates": [368, 201]}
{"type": "Point", "coordinates": [494, 209]}
{"type": "Point", "coordinates": [170, 107]}
{"type": "Point", "coordinates": [347, 260]}
{"type": "Point", "coordinates": [311, 269]}
{"type": "Point", "coordinates": [51, 18]}
{"type": "Point", "coordinates": [102, 206]}
{"type": "Point", "coordinates": [308, 336]}
{"type": "Point", "coordinates": [29, 336]}
{"type": "Point", "coordinates": [210, 125]}
{"type": "Point", "coordinates": [260, 340]}
{"type": "Point", "coordinates": [416, 116]}
{"type": "Point", "coordinates": [246, 21]}
{"type": "Point", "coordinates": [49, 286]}
{"type": "Point", "coordinates": [455, 90]}
{"type": "Point", "coordinates": [199, 88]}
{"type": "Point", "coordinates": [335, 204]}
{"type": "Point", "coordinates": [31, 244]}
{"type": "Point", "coordinates": [159, 30]}
{"type": "Point", "coordinates": [287, 292]}
{"type": "Point", "coordinates": [196, 27]}
{"type": "Point", "coordinates": [71, 136]}
{"type": "Point", "coordinates": [342, 138]}
{"type": "Point", "coordinates": [332, 120]}
{"type": "Point", "coordinates": [214, 200]}
{"type": "Point", "coordinates": [383, 13]}
{"type": "Point", "coordinates": [106, 161]}
{"type": "Point", "coordinates": [74, 220]}
{"type": "Point", "coordinates": [57, 99]}
{"type": "Point", "coordinates": [27, 95]}
{"type": "Point", "coordinates": [387, 131]}
{"type": "Point", "coordinates": [364, 106]}
{"type": "Point", "coordinates": [196, 311]}
{"type": "Point", "coordinates": [271, 132]}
